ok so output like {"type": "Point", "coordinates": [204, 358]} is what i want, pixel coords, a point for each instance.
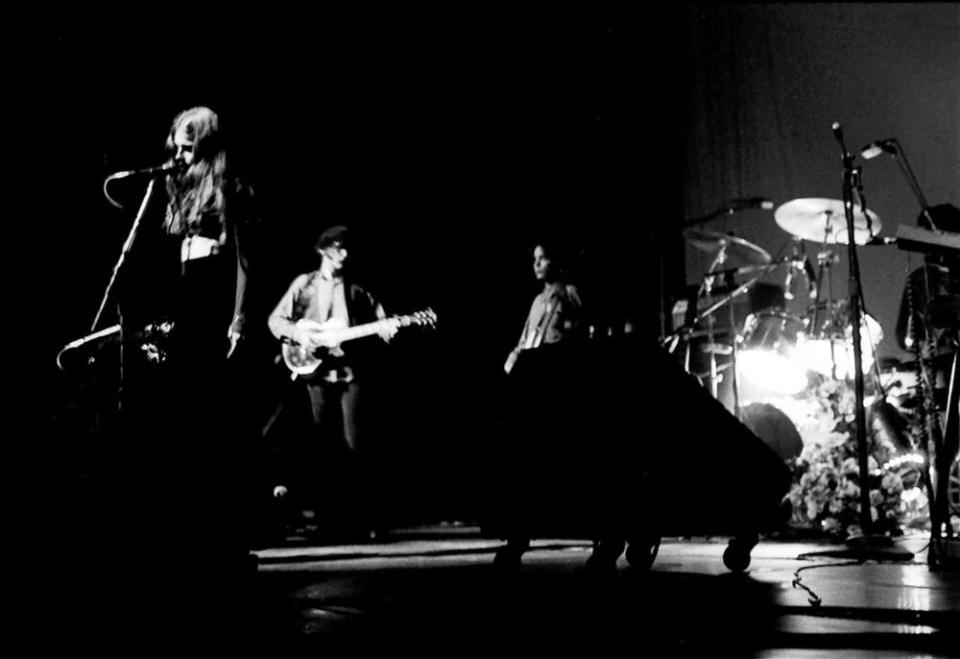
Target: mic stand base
{"type": "Point", "coordinates": [876, 547]}
{"type": "Point", "coordinates": [944, 554]}
{"type": "Point", "coordinates": [867, 548]}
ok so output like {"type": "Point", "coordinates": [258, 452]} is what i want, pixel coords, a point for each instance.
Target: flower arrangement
{"type": "Point", "coordinates": [825, 494]}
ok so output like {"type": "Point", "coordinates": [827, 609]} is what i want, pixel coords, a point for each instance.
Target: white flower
{"type": "Point", "coordinates": [892, 482]}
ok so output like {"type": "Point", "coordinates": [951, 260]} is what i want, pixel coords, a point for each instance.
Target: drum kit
{"type": "Point", "coordinates": [804, 331]}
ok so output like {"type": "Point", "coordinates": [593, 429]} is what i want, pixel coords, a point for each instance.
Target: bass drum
{"type": "Point", "coordinates": [832, 355]}
{"type": "Point", "coordinates": [775, 428]}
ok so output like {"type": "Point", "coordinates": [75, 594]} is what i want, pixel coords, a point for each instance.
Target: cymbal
{"type": "Point", "coordinates": [738, 249]}
{"type": "Point", "coordinates": [824, 221]}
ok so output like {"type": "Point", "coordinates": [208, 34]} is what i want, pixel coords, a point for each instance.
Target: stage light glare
{"type": "Point", "coordinates": [821, 356]}
{"type": "Point", "coordinates": [772, 371]}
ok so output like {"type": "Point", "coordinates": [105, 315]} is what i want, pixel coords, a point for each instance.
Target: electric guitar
{"type": "Point", "coordinates": [329, 335]}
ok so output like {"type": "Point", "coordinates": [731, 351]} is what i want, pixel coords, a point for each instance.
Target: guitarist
{"type": "Point", "coordinates": [312, 300]}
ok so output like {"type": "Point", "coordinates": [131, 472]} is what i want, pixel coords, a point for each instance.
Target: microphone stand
{"type": "Point", "coordinates": [939, 513]}
{"type": "Point", "coordinates": [851, 182]}
{"type": "Point", "coordinates": [116, 329]}
{"type": "Point", "coordinates": [706, 218]}
{"type": "Point", "coordinates": [901, 159]}
{"type": "Point", "coordinates": [123, 252]}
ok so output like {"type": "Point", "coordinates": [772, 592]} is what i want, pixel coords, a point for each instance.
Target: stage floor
{"type": "Point", "coordinates": [433, 590]}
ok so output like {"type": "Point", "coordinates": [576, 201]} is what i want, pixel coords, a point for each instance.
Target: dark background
{"type": "Point", "coordinates": [453, 138]}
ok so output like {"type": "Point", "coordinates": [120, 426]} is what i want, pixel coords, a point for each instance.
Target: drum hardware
{"type": "Point", "coordinates": [726, 247]}
{"type": "Point", "coordinates": [798, 263]}
{"type": "Point", "coordinates": [748, 257]}
{"type": "Point", "coordinates": [828, 341]}
{"type": "Point", "coordinates": [827, 344]}
{"type": "Point", "coordinates": [717, 349]}
{"type": "Point", "coordinates": [748, 269]}
{"type": "Point", "coordinates": [732, 206]}
{"type": "Point", "coordinates": [705, 289]}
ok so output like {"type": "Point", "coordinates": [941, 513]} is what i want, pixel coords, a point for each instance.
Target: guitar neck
{"type": "Point", "coordinates": [360, 331]}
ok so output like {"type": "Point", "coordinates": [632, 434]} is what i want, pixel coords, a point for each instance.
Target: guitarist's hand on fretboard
{"type": "Point", "coordinates": [389, 330]}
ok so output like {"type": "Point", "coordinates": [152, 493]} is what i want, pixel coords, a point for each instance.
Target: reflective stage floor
{"type": "Point", "coordinates": [434, 591]}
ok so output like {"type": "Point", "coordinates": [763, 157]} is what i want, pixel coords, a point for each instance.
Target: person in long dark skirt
{"type": "Point", "coordinates": [182, 463]}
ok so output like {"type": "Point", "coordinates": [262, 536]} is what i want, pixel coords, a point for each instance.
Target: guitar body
{"type": "Point", "coordinates": [302, 360]}
{"type": "Point", "coordinates": [327, 337]}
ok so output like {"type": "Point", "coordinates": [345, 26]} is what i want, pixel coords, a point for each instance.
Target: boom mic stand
{"type": "Point", "coordinates": [893, 147]}
{"type": "Point", "coordinates": [115, 329]}
{"type": "Point", "coordinates": [939, 510]}
{"type": "Point", "coordinates": [852, 182]}
{"type": "Point", "coordinates": [127, 245]}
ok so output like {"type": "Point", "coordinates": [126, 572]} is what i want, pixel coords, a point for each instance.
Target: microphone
{"type": "Point", "coordinates": [751, 202]}
{"type": "Point", "coordinates": [166, 168]}
{"type": "Point", "coordinates": [837, 131]}
{"type": "Point", "coordinates": [874, 149]}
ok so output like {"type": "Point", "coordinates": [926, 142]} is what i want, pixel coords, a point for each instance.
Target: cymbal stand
{"type": "Point", "coordinates": [825, 325]}
{"type": "Point", "coordinates": [705, 288]}
{"type": "Point", "coordinates": [671, 341]}
{"type": "Point", "coordinates": [733, 363]}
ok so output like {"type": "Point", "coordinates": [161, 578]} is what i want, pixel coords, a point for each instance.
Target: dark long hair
{"type": "Point", "coordinates": [196, 197]}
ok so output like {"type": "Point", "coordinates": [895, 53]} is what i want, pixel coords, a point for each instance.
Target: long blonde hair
{"type": "Point", "coordinates": [196, 197]}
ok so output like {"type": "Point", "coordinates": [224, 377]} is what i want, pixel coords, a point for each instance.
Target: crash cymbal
{"type": "Point", "coordinates": [824, 221]}
{"type": "Point", "coordinates": [737, 249]}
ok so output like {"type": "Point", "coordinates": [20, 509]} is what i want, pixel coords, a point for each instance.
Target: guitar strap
{"type": "Point", "coordinates": [550, 310]}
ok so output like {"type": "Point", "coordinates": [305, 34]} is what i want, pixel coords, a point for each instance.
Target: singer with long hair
{"type": "Point", "coordinates": [207, 210]}
{"type": "Point", "coordinates": [185, 406]}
